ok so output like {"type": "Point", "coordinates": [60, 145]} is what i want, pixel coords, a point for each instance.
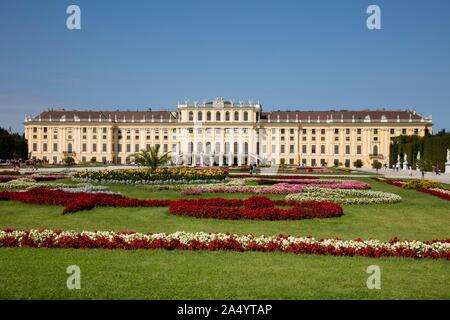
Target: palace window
{"type": "Point", "coordinates": [322, 149]}
{"type": "Point", "coordinates": [392, 131]}
{"type": "Point", "coordinates": [336, 149]}
{"type": "Point", "coordinates": [347, 149]}
{"type": "Point", "coordinates": [347, 131]}
{"type": "Point", "coordinates": [245, 116]}
{"type": "Point", "coordinates": [304, 149]}
{"type": "Point", "coordinates": [283, 147]}
{"type": "Point", "coordinates": [44, 147]}
{"type": "Point", "coordinates": [313, 149]}
{"type": "Point", "coordinates": [227, 116]}
{"type": "Point", "coordinates": [84, 147]}
{"type": "Point", "coordinates": [55, 147]}
{"type": "Point", "coordinates": [218, 116]}
{"type": "Point", "coordinates": [236, 116]}
{"type": "Point", "coordinates": [358, 149]}
{"type": "Point", "coordinates": [291, 148]}
{"type": "Point", "coordinates": [416, 131]}
{"type": "Point", "coordinates": [199, 116]}
{"type": "Point", "coordinates": [208, 116]}
{"type": "Point", "coordinates": [191, 116]}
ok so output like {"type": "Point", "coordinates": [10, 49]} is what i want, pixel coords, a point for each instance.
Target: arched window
{"type": "Point", "coordinates": [236, 116]}
{"type": "Point", "coordinates": [69, 147]}
{"type": "Point", "coordinates": [236, 148]}
{"type": "Point", "coordinates": [227, 116]}
{"type": "Point", "coordinates": [217, 147]}
{"type": "Point", "coordinates": [191, 147]}
{"type": "Point", "coordinates": [199, 147]}
{"type": "Point", "coordinates": [218, 116]}
{"type": "Point", "coordinates": [227, 147]}
{"type": "Point", "coordinates": [208, 148]}
{"type": "Point", "coordinates": [375, 150]}
{"type": "Point", "coordinates": [245, 116]}
{"type": "Point", "coordinates": [199, 116]}
{"type": "Point", "coordinates": [191, 116]}
{"type": "Point", "coordinates": [245, 148]}
{"type": "Point", "coordinates": [208, 116]}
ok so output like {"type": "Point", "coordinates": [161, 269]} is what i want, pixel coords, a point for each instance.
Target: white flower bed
{"type": "Point", "coordinates": [345, 196]}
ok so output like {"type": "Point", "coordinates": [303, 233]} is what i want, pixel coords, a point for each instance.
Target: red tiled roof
{"type": "Point", "coordinates": [105, 115]}
{"type": "Point", "coordinates": [338, 115]}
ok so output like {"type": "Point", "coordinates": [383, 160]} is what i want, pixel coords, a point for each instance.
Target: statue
{"type": "Point", "coordinates": [448, 155]}
{"type": "Point", "coordinates": [418, 156]}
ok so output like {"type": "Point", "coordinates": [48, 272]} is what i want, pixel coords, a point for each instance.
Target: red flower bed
{"type": "Point", "coordinates": [77, 201]}
{"type": "Point", "coordinates": [435, 249]}
{"type": "Point", "coordinates": [256, 208]}
{"type": "Point", "coordinates": [436, 193]}
{"type": "Point", "coordinates": [242, 176]}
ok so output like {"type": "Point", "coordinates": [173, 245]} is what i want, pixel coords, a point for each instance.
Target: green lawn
{"type": "Point", "coordinates": [40, 273]}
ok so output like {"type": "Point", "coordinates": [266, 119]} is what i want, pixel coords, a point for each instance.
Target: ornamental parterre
{"type": "Point", "coordinates": [255, 208]}
{"type": "Point", "coordinates": [436, 249]}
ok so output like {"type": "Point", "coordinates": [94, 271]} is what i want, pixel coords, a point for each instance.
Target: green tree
{"type": "Point", "coordinates": [424, 166]}
{"type": "Point", "coordinates": [69, 161]}
{"type": "Point", "coordinates": [152, 158]}
{"type": "Point", "coordinates": [377, 165]}
{"type": "Point", "coordinates": [358, 163]}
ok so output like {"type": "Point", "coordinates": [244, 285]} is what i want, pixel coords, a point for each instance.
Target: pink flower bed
{"type": "Point", "coordinates": [333, 184]}
{"type": "Point", "coordinates": [6, 178]}
{"type": "Point", "coordinates": [280, 188]}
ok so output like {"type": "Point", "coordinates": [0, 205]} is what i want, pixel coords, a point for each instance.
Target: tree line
{"type": "Point", "coordinates": [432, 148]}
{"type": "Point", "coordinates": [13, 146]}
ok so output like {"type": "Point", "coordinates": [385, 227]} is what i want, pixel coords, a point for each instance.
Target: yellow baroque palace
{"type": "Point", "coordinates": [222, 133]}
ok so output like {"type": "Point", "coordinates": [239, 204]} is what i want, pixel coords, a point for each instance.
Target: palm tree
{"type": "Point", "coordinates": [151, 158]}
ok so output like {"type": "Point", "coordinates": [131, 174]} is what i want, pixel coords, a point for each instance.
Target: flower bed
{"type": "Point", "coordinates": [26, 184]}
{"type": "Point", "coordinates": [333, 184]}
{"type": "Point", "coordinates": [6, 178]}
{"type": "Point", "coordinates": [255, 208]}
{"type": "Point", "coordinates": [436, 249]}
{"type": "Point", "coordinates": [77, 201]}
{"type": "Point", "coordinates": [286, 187]}
{"type": "Point", "coordinates": [397, 183]}
{"type": "Point", "coordinates": [440, 193]}
{"type": "Point", "coordinates": [345, 196]}
{"type": "Point", "coordinates": [286, 177]}
{"type": "Point", "coordinates": [160, 175]}
{"type": "Point", "coordinates": [280, 188]}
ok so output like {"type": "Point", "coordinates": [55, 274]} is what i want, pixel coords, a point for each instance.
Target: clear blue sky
{"type": "Point", "coordinates": [306, 55]}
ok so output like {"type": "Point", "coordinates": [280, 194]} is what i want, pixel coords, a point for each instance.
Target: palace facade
{"type": "Point", "coordinates": [222, 133]}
